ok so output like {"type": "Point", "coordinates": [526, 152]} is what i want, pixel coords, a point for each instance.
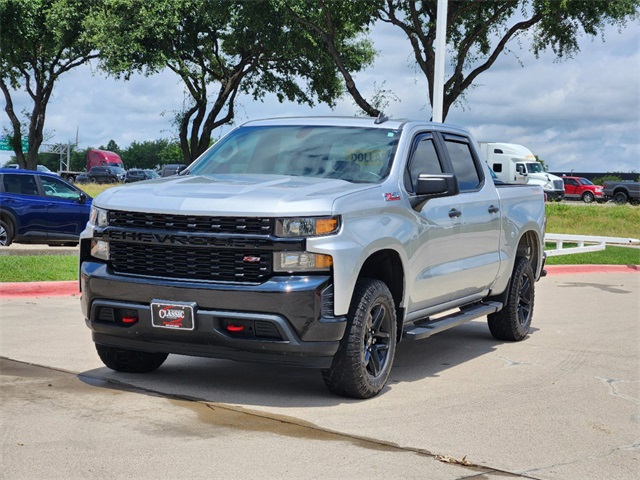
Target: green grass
{"type": "Point", "coordinates": [603, 220]}
{"type": "Point", "coordinates": [94, 189]}
{"type": "Point", "coordinates": [608, 256]}
{"type": "Point", "coordinates": [38, 268]}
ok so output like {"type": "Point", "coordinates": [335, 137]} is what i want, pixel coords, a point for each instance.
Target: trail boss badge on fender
{"type": "Point", "coordinates": [176, 315]}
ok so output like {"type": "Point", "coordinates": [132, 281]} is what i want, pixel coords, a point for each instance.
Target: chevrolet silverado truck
{"type": "Point", "coordinates": [316, 242]}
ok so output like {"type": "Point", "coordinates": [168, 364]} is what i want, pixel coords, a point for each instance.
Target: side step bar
{"type": "Point", "coordinates": [428, 328]}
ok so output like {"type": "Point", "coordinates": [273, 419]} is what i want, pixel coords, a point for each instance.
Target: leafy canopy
{"type": "Point", "coordinates": [40, 40]}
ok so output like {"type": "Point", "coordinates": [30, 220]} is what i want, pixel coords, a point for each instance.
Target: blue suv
{"type": "Point", "coordinates": [38, 207]}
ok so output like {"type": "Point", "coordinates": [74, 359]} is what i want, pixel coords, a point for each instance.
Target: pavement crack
{"type": "Point", "coordinates": [634, 446]}
{"type": "Point", "coordinates": [512, 363]}
{"type": "Point", "coordinates": [613, 385]}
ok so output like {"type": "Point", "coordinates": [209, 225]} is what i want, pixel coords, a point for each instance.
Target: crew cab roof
{"type": "Point", "coordinates": [361, 122]}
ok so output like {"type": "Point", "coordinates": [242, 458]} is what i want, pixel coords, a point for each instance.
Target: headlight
{"type": "Point", "coordinates": [98, 217]}
{"type": "Point", "coordinates": [100, 249]}
{"type": "Point", "coordinates": [306, 226]}
{"type": "Point", "coordinates": [301, 262]}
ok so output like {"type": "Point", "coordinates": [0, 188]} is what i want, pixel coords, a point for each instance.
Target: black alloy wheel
{"type": "Point", "coordinates": [362, 364]}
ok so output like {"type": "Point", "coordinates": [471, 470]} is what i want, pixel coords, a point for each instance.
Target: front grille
{"type": "Point", "coordinates": [190, 223]}
{"type": "Point", "coordinates": [558, 185]}
{"type": "Point", "coordinates": [198, 264]}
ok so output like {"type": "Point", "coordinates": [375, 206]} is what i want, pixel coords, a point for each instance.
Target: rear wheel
{"type": "Point", "coordinates": [620, 198]}
{"type": "Point", "coordinates": [362, 365]}
{"type": "Point", "coordinates": [588, 197]}
{"type": "Point", "coordinates": [130, 361]}
{"type": "Point", "coordinates": [514, 320]}
{"type": "Point", "coordinates": [6, 234]}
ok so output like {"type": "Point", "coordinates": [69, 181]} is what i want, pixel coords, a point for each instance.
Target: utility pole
{"type": "Point", "coordinates": [441, 53]}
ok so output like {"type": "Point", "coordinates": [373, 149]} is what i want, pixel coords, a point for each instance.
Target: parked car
{"type": "Point", "coordinates": [135, 175]}
{"type": "Point", "coordinates": [622, 192]}
{"type": "Point", "coordinates": [82, 178]}
{"type": "Point", "coordinates": [580, 188]}
{"type": "Point", "coordinates": [106, 174]}
{"type": "Point", "coordinates": [172, 169]}
{"type": "Point", "coordinates": [39, 207]}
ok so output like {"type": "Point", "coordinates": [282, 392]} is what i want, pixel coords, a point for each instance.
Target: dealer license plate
{"type": "Point", "coordinates": [175, 315]}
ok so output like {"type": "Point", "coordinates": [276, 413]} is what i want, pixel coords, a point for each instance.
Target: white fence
{"type": "Point", "coordinates": [585, 243]}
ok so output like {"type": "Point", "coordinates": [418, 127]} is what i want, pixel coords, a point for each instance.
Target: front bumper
{"type": "Point", "coordinates": [289, 319]}
{"type": "Point", "coordinates": [554, 194]}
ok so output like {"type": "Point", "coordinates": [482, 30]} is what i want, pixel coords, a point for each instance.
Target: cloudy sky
{"type": "Point", "coordinates": [580, 114]}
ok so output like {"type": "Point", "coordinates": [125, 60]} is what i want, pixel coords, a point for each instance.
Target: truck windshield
{"type": "Point", "coordinates": [535, 168]}
{"type": "Point", "coordinates": [361, 155]}
{"type": "Point", "coordinates": [584, 181]}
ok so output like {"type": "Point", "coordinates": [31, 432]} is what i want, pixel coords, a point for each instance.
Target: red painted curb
{"type": "Point", "coordinates": [38, 289]}
{"type": "Point", "coordinates": [573, 269]}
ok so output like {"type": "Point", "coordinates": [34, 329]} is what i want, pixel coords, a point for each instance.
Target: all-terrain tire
{"type": "Point", "coordinates": [6, 234]}
{"type": "Point", "coordinates": [620, 198]}
{"type": "Point", "coordinates": [130, 361]}
{"type": "Point", "coordinates": [362, 365]}
{"type": "Point", "coordinates": [512, 323]}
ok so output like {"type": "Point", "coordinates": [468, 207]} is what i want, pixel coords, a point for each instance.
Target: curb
{"type": "Point", "coordinates": [39, 289]}
{"type": "Point", "coordinates": [70, 288]}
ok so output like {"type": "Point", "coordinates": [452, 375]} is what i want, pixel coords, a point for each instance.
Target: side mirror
{"type": "Point", "coordinates": [82, 199]}
{"type": "Point", "coordinates": [432, 186]}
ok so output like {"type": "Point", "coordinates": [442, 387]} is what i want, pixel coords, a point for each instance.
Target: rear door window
{"type": "Point", "coordinates": [464, 165]}
{"type": "Point", "coordinates": [20, 184]}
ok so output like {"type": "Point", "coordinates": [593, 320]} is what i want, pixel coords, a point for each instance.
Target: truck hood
{"type": "Point", "coordinates": [245, 195]}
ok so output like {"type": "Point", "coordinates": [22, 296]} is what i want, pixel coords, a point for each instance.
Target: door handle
{"type": "Point", "coordinates": [493, 209]}
{"type": "Point", "coordinates": [454, 213]}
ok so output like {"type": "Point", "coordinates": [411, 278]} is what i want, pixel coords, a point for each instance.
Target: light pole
{"type": "Point", "coordinates": [441, 50]}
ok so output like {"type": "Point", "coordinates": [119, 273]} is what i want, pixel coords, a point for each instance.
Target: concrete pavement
{"type": "Point", "coordinates": [563, 404]}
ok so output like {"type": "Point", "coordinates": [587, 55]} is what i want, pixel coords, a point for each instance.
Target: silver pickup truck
{"type": "Point", "coordinates": [318, 242]}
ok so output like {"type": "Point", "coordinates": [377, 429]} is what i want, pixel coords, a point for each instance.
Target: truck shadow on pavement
{"type": "Point", "coordinates": [253, 384]}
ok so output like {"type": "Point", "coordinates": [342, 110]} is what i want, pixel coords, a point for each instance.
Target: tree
{"type": "Point", "coordinates": [478, 31]}
{"type": "Point", "coordinates": [147, 154]}
{"type": "Point", "coordinates": [337, 25]}
{"type": "Point", "coordinates": [40, 41]}
{"type": "Point", "coordinates": [219, 48]}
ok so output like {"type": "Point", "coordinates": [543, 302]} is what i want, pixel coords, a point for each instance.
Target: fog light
{"type": "Point", "coordinates": [100, 249]}
{"type": "Point", "coordinates": [301, 262]}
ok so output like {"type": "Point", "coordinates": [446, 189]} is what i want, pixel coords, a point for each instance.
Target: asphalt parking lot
{"type": "Point", "coordinates": [563, 404]}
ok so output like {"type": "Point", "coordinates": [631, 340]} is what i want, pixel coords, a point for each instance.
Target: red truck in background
{"type": "Point", "coordinates": [580, 188]}
{"type": "Point", "coordinates": [95, 158]}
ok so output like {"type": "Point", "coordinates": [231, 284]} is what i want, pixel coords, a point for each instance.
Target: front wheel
{"type": "Point", "coordinates": [514, 320]}
{"type": "Point", "coordinates": [620, 198]}
{"type": "Point", "coordinates": [588, 197]}
{"type": "Point", "coordinates": [362, 365]}
{"type": "Point", "coordinates": [130, 361]}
